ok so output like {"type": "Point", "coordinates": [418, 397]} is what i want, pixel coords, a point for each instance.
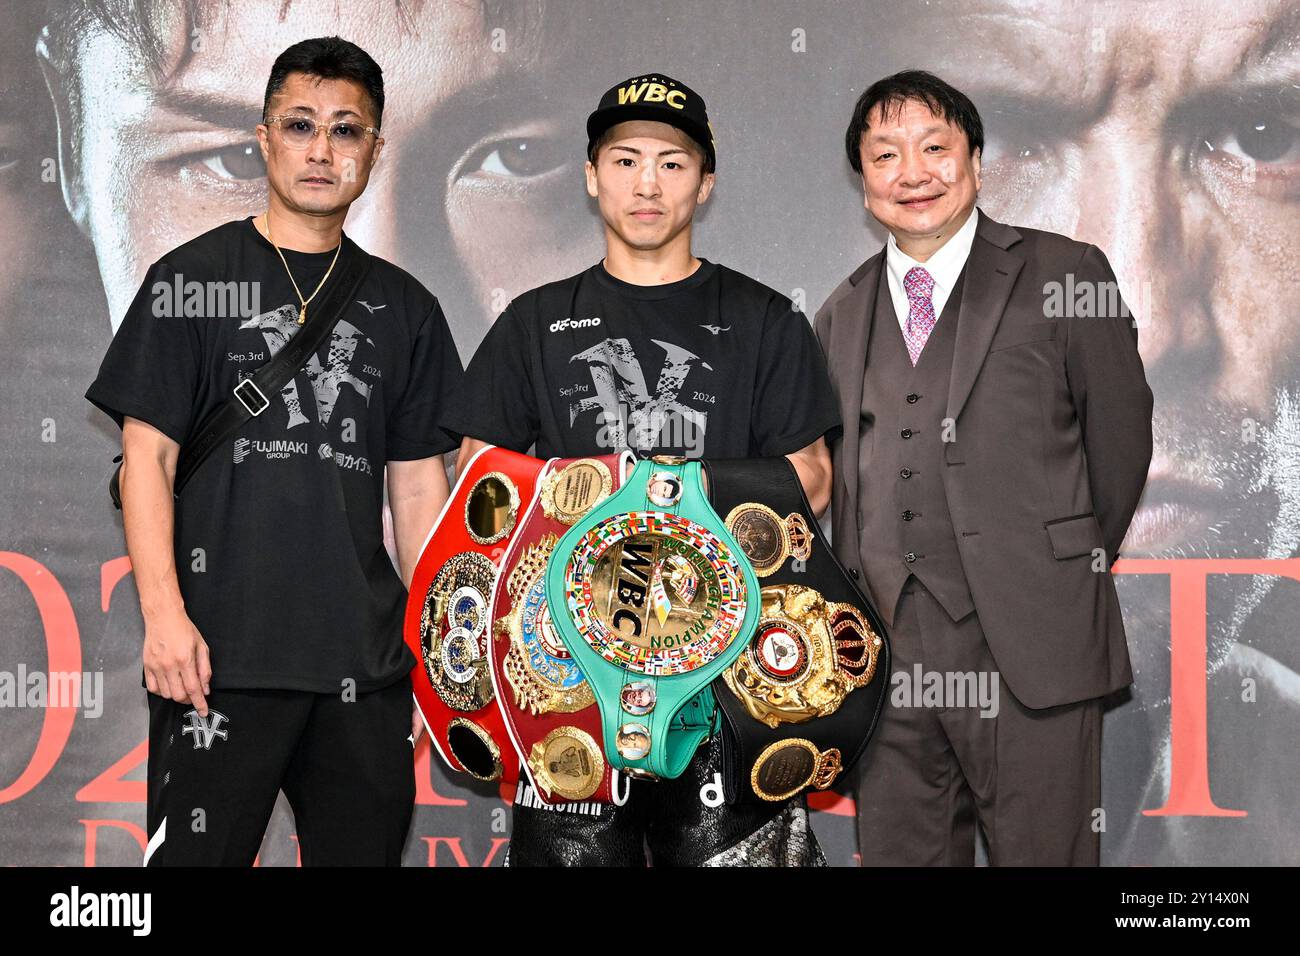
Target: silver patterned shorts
{"type": "Point", "coordinates": [681, 822]}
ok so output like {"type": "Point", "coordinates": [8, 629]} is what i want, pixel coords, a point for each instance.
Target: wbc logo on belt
{"type": "Point", "coordinates": [622, 581]}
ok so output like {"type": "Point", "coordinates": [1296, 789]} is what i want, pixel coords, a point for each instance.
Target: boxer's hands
{"type": "Point", "coordinates": [176, 662]}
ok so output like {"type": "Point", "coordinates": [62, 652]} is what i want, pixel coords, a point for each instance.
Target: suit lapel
{"type": "Point", "coordinates": [991, 272]}
{"type": "Point", "coordinates": [852, 320]}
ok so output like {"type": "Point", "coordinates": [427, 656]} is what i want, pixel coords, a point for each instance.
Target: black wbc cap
{"type": "Point", "coordinates": [657, 98]}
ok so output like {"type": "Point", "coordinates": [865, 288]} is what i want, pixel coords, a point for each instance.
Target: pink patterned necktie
{"type": "Point", "coordinates": [918, 284]}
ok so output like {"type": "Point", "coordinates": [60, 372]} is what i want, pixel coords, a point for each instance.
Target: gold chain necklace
{"type": "Point", "coordinates": [302, 309]}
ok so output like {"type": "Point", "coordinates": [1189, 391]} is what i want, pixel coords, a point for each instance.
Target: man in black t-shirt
{"type": "Point", "coordinates": [273, 646]}
{"type": "Point", "coordinates": [658, 351]}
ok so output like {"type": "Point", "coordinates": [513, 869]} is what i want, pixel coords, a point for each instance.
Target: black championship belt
{"type": "Point", "coordinates": [802, 700]}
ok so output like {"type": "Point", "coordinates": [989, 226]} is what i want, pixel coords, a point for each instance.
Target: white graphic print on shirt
{"type": "Point", "coordinates": [278, 325]}
{"type": "Point", "coordinates": [633, 417]}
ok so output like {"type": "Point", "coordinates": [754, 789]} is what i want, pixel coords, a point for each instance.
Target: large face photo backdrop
{"type": "Point", "coordinates": [1167, 133]}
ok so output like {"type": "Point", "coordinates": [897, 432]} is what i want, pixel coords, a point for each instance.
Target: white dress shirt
{"type": "Point", "coordinates": [944, 267]}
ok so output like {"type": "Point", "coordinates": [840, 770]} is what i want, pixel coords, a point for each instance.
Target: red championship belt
{"type": "Point", "coordinates": [547, 705]}
{"type": "Point", "coordinates": [447, 621]}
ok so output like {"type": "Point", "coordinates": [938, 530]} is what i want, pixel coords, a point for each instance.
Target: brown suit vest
{"type": "Point", "coordinates": [904, 526]}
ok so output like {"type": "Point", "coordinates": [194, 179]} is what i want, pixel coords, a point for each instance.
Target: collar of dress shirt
{"type": "Point", "coordinates": [946, 263]}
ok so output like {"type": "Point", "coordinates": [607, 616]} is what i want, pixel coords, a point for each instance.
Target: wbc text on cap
{"type": "Point", "coordinates": [645, 91]}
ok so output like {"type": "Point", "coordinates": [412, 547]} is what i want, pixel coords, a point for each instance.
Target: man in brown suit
{"type": "Point", "coordinates": [997, 434]}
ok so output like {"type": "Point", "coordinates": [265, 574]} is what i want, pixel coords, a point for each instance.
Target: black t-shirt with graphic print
{"type": "Point", "coordinates": [716, 365]}
{"type": "Point", "coordinates": [279, 536]}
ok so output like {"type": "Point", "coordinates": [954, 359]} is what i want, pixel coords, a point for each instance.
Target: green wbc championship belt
{"type": "Point", "coordinates": [658, 600]}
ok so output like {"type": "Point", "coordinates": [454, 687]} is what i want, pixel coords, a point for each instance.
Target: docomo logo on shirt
{"type": "Point", "coordinates": [563, 324]}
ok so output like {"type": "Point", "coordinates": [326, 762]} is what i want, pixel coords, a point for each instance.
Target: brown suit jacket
{"type": "Point", "coordinates": [1048, 457]}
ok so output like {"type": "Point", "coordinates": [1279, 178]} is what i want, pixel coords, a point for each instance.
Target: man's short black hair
{"type": "Point", "coordinates": [892, 92]}
{"type": "Point", "coordinates": [330, 58]}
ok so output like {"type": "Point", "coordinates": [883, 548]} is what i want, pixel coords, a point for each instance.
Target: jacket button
{"type": "Point", "coordinates": [912, 399]}
{"type": "Point", "coordinates": [905, 473]}
{"type": "Point", "coordinates": [906, 433]}
{"type": "Point", "coordinates": [908, 515]}
{"type": "Point", "coordinates": [854, 572]}
{"type": "Point", "coordinates": [910, 557]}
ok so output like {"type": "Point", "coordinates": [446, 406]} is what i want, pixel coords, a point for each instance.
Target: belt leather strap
{"type": "Point", "coordinates": [448, 622]}
{"type": "Point", "coordinates": [801, 701]}
{"type": "Point", "coordinates": [549, 709]}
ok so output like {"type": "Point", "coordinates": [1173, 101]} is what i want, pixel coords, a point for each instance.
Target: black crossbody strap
{"type": "Point", "coordinates": [253, 395]}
